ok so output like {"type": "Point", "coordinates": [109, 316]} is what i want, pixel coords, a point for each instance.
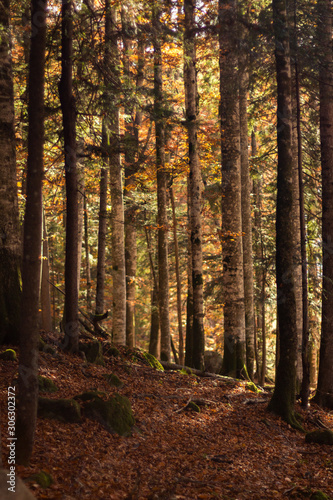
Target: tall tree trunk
{"type": "Point", "coordinates": [324, 394]}
{"type": "Point", "coordinates": [117, 211]}
{"type": "Point", "coordinates": [191, 103]}
{"type": "Point", "coordinates": [29, 335]}
{"type": "Point", "coordinates": [102, 225]}
{"type": "Point", "coordinates": [45, 296]}
{"type": "Point", "coordinates": [283, 399]}
{"type": "Point", "coordinates": [154, 338]}
{"type": "Point", "coordinates": [71, 327]}
{"type": "Point", "coordinates": [189, 300]}
{"type": "Point", "coordinates": [80, 216]}
{"type": "Point", "coordinates": [246, 210]}
{"type": "Point", "coordinates": [87, 253]}
{"type": "Point", "coordinates": [10, 236]}
{"type": "Point", "coordinates": [162, 218]}
{"type": "Point", "coordinates": [234, 362]}
{"type": "Point", "coordinates": [178, 280]}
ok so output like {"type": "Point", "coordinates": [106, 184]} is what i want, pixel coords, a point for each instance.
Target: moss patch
{"type": "Point", "coordinates": [93, 352]}
{"type": "Point", "coordinates": [42, 478]}
{"type": "Point", "coordinates": [152, 361]}
{"type": "Point", "coordinates": [113, 380]}
{"type": "Point", "coordinates": [65, 410]}
{"type": "Point", "coordinates": [115, 414]}
{"type": "Point", "coordinates": [250, 386]}
{"type": "Point", "coordinates": [90, 395]}
{"type": "Point", "coordinates": [8, 355]}
{"type": "Point", "coordinates": [46, 385]}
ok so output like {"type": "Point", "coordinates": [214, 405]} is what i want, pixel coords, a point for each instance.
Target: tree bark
{"type": "Point", "coordinates": [71, 326]}
{"type": "Point", "coordinates": [29, 335]}
{"type": "Point", "coordinates": [324, 394]}
{"type": "Point", "coordinates": [162, 218]}
{"type": "Point", "coordinates": [191, 104]}
{"type": "Point", "coordinates": [234, 362]}
{"type": "Point", "coordinates": [246, 210]}
{"type": "Point", "coordinates": [283, 399]}
{"type": "Point", "coordinates": [10, 237]}
{"type": "Point", "coordinates": [117, 211]}
{"type": "Point", "coordinates": [45, 296]}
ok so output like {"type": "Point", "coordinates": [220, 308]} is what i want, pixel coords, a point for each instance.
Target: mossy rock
{"type": "Point", "coordinates": [152, 361]}
{"type": "Point", "coordinates": [193, 407]}
{"type": "Point", "coordinates": [90, 395]}
{"type": "Point", "coordinates": [65, 410]}
{"type": "Point", "coordinates": [42, 478]}
{"type": "Point", "coordinates": [320, 436]}
{"type": "Point", "coordinates": [113, 380]}
{"type": "Point", "coordinates": [93, 352]}
{"type": "Point", "coordinates": [44, 347]}
{"type": "Point", "coordinates": [115, 414]}
{"type": "Point", "coordinates": [319, 495]}
{"type": "Point", "coordinates": [110, 350]}
{"type": "Point", "coordinates": [8, 355]}
{"type": "Point", "coordinates": [46, 384]}
{"type": "Point", "coordinates": [250, 386]}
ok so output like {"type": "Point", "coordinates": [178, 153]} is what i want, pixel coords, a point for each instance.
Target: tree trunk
{"type": "Point", "coordinates": [234, 362]}
{"type": "Point", "coordinates": [102, 226]}
{"type": "Point", "coordinates": [10, 244]}
{"type": "Point", "coordinates": [324, 394]}
{"type": "Point", "coordinates": [162, 219]}
{"type": "Point", "coordinates": [246, 213]}
{"type": "Point", "coordinates": [29, 335]}
{"type": "Point", "coordinates": [45, 296]}
{"type": "Point", "coordinates": [87, 252]}
{"type": "Point", "coordinates": [71, 327]}
{"type": "Point", "coordinates": [117, 211]}
{"type": "Point", "coordinates": [191, 103]}
{"type": "Point", "coordinates": [178, 280]}
{"type": "Point", "coordinates": [283, 399]}
{"type": "Point", "coordinates": [189, 300]}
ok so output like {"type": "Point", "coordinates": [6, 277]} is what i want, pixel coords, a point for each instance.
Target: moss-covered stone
{"type": "Point", "coordinates": [65, 410]}
{"type": "Point", "coordinates": [113, 380]}
{"type": "Point", "coordinates": [93, 352]}
{"type": "Point", "coordinates": [110, 350]}
{"type": "Point", "coordinates": [90, 395]}
{"type": "Point", "coordinates": [320, 436]}
{"type": "Point", "coordinates": [152, 361]}
{"type": "Point", "coordinates": [44, 347]}
{"type": "Point", "coordinates": [44, 479]}
{"type": "Point", "coordinates": [250, 386]}
{"type": "Point", "coordinates": [114, 414]}
{"type": "Point", "coordinates": [8, 355]}
{"type": "Point", "coordinates": [46, 384]}
{"type": "Point", "coordinates": [319, 495]}
{"type": "Point", "coordinates": [193, 407]}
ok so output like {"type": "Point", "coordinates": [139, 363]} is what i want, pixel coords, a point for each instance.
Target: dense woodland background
{"type": "Point", "coordinates": [170, 163]}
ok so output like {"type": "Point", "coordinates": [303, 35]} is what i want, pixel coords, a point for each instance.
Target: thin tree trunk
{"type": "Point", "coordinates": [154, 338]}
{"type": "Point", "coordinates": [117, 211]}
{"type": "Point", "coordinates": [29, 335]}
{"type": "Point", "coordinates": [324, 394]}
{"type": "Point", "coordinates": [178, 279]}
{"type": "Point", "coordinates": [162, 219]}
{"type": "Point", "coordinates": [10, 234]}
{"type": "Point", "coordinates": [102, 226]}
{"type": "Point", "coordinates": [283, 399]}
{"type": "Point", "coordinates": [234, 362]}
{"type": "Point", "coordinates": [189, 300]}
{"type": "Point", "coordinates": [87, 252]}
{"type": "Point", "coordinates": [71, 326]}
{"type": "Point", "coordinates": [246, 213]}
{"type": "Point", "coordinates": [45, 296]}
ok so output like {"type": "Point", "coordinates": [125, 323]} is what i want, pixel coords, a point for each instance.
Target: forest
{"type": "Point", "coordinates": [166, 208]}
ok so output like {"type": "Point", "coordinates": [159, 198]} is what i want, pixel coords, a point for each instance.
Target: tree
{"type": "Point", "coordinates": [10, 244]}
{"type": "Point", "coordinates": [162, 218]}
{"type": "Point", "coordinates": [283, 399]}
{"type": "Point", "coordinates": [232, 249]}
{"type": "Point", "coordinates": [191, 105]}
{"type": "Point", "coordinates": [32, 240]}
{"type": "Point", "coordinates": [71, 327]}
{"type": "Point", "coordinates": [117, 213]}
{"type": "Point", "coordinates": [324, 394]}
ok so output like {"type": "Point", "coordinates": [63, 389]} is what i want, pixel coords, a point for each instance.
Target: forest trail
{"type": "Point", "coordinates": [231, 449]}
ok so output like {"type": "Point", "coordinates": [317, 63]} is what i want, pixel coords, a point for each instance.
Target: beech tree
{"type": "Point", "coordinates": [324, 394]}
{"type": "Point", "coordinates": [234, 361]}
{"type": "Point", "coordinates": [10, 241]}
{"type": "Point", "coordinates": [32, 240]}
{"type": "Point", "coordinates": [284, 396]}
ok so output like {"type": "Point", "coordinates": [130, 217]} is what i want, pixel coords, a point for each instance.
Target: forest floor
{"type": "Point", "coordinates": [232, 449]}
